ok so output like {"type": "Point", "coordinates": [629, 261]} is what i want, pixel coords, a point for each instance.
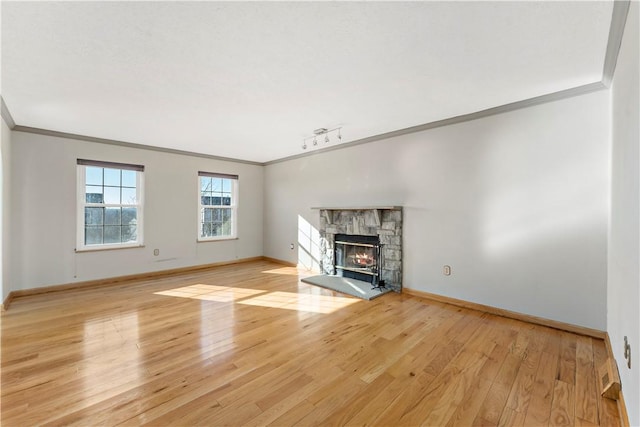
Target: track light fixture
{"type": "Point", "coordinates": [318, 133]}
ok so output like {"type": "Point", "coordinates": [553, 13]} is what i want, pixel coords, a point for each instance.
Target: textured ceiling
{"type": "Point", "coordinates": [250, 80]}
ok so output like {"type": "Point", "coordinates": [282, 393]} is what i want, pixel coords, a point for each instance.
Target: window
{"type": "Point", "coordinates": [218, 204]}
{"type": "Point", "coordinates": [109, 205]}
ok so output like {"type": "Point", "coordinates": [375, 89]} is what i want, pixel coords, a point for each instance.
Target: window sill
{"type": "Point", "coordinates": [221, 239]}
{"type": "Point", "coordinates": [108, 248]}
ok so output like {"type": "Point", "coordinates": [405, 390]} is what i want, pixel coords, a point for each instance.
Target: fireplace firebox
{"type": "Point", "coordinates": [358, 257]}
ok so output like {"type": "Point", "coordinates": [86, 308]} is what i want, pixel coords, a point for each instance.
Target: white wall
{"type": "Point", "coordinates": [623, 313]}
{"type": "Point", "coordinates": [44, 213]}
{"type": "Point", "coordinates": [516, 203]}
{"type": "Point", "coordinates": [5, 186]}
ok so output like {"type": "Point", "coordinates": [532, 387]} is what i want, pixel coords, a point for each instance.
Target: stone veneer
{"type": "Point", "coordinates": [385, 222]}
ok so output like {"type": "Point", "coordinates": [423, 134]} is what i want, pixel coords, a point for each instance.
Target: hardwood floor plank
{"type": "Point", "coordinates": [351, 405]}
{"type": "Point", "coordinates": [426, 402]}
{"type": "Point", "coordinates": [500, 390]}
{"type": "Point", "coordinates": [455, 393]}
{"type": "Point", "coordinates": [562, 408]}
{"type": "Point", "coordinates": [585, 387]}
{"type": "Point", "coordinates": [330, 393]}
{"type": "Point", "coordinates": [539, 411]}
{"type": "Point", "coordinates": [502, 340]}
{"type": "Point", "coordinates": [393, 351]}
{"type": "Point", "coordinates": [584, 423]}
{"type": "Point", "coordinates": [369, 413]}
{"type": "Point", "coordinates": [567, 361]}
{"type": "Point", "coordinates": [250, 344]}
{"type": "Point", "coordinates": [293, 415]}
{"type": "Point", "coordinates": [511, 417]}
{"type": "Point", "coordinates": [521, 391]}
{"type": "Point", "coordinates": [468, 409]}
{"type": "Point", "coordinates": [446, 353]}
{"type": "Point", "coordinates": [406, 400]}
{"type": "Point", "coordinates": [493, 405]}
{"type": "Point", "coordinates": [545, 375]}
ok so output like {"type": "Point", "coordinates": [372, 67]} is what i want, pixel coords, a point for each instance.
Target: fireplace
{"type": "Point", "coordinates": [363, 243]}
{"type": "Point", "coordinates": [358, 257]}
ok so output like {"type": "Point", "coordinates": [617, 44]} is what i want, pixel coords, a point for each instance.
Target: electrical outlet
{"type": "Point", "coordinates": [291, 246]}
{"type": "Point", "coordinates": [446, 270]}
{"type": "Point", "coordinates": [156, 252]}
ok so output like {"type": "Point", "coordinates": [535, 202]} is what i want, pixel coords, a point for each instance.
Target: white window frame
{"type": "Point", "coordinates": [233, 207]}
{"type": "Point", "coordinates": [81, 204]}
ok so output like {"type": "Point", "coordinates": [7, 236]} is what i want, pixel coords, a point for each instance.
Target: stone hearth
{"type": "Point", "coordinates": [385, 222]}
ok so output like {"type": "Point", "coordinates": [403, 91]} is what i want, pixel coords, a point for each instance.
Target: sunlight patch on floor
{"type": "Point", "coordinates": [355, 287]}
{"type": "Point", "coordinates": [288, 271]}
{"type": "Point", "coordinates": [300, 302]}
{"type": "Point", "coordinates": [211, 293]}
{"type": "Point", "coordinates": [257, 297]}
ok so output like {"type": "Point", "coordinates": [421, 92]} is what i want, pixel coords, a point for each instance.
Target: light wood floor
{"type": "Point", "coordinates": [250, 344]}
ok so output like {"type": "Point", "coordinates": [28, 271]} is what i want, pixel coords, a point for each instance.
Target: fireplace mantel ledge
{"type": "Point", "coordinates": [359, 208]}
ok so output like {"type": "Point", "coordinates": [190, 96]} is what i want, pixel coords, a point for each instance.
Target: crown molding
{"type": "Point", "coordinates": [6, 114]}
{"type": "Point", "coordinates": [57, 134]}
{"type": "Point", "coordinates": [555, 96]}
{"type": "Point", "coordinates": [616, 31]}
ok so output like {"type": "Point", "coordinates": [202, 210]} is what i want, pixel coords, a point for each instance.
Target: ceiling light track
{"type": "Point", "coordinates": [323, 134]}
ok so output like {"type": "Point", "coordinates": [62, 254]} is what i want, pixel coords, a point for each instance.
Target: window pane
{"type": "Point", "coordinates": [129, 196]}
{"type": "Point", "coordinates": [216, 184]}
{"type": "Point", "coordinates": [94, 194]}
{"type": "Point", "coordinates": [128, 178]}
{"type": "Point", "coordinates": [226, 228]}
{"type": "Point", "coordinates": [112, 195]}
{"type": "Point", "coordinates": [206, 199]}
{"type": "Point", "coordinates": [215, 229]}
{"type": "Point", "coordinates": [226, 185]}
{"type": "Point", "coordinates": [112, 234]}
{"type": "Point", "coordinates": [226, 222]}
{"type": "Point", "coordinates": [112, 177]}
{"type": "Point", "coordinates": [217, 215]}
{"type": "Point", "coordinates": [226, 215]}
{"type": "Point", "coordinates": [129, 233]}
{"type": "Point", "coordinates": [205, 183]}
{"type": "Point", "coordinates": [93, 176]}
{"type": "Point", "coordinates": [206, 230]}
{"type": "Point", "coordinates": [207, 215]}
{"type": "Point", "coordinates": [129, 216]}
{"type": "Point", "coordinates": [112, 216]}
{"type": "Point", "coordinates": [93, 235]}
{"type": "Point", "coordinates": [226, 199]}
{"type": "Point", "coordinates": [93, 216]}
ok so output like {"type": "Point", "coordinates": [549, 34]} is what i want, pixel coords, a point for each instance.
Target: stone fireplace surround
{"type": "Point", "coordinates": [382, 221]}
